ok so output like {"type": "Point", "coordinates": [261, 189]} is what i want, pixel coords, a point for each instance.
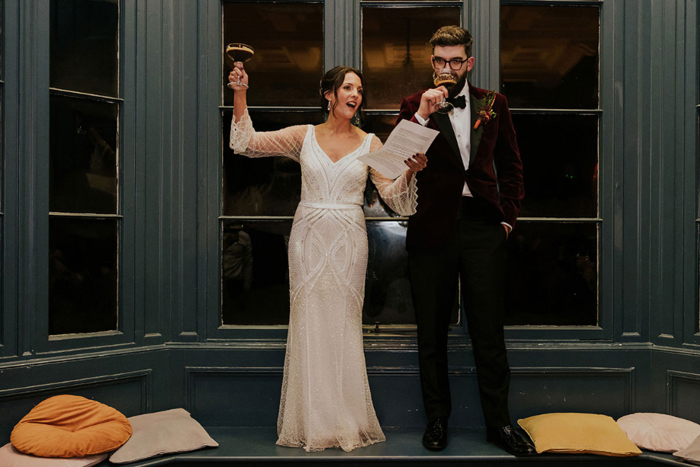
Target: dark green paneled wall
{"type": "Point", "coordinates": [170, 350]}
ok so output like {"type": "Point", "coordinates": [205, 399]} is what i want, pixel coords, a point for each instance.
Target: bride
{"type": "Point", "coordinates": [325, 399]}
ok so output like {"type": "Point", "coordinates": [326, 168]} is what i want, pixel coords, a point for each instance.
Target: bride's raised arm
{"type": "Point", "coordinates": [245, 140]}
{"type": "Point", "coordinates": [401, 194]}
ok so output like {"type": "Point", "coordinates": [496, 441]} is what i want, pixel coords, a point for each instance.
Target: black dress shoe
{"type": "Point", "coordinates": [510, 440]}
{"type": "Point", "coordinates": [435, 437]}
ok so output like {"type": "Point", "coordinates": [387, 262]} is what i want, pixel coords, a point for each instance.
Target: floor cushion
{"type": "Point", "coordinates": [659, 432]}
{"type": "Point", "coordinates": [11, 457]}
{"type": "Point", "coordinates": [691, 453]}
{"type": "Point", "coordinates": [578, 433]}
{"type": "Point", "coordinates": [159, 433]}
{"type": "Point", "coordinates": [70, 426]}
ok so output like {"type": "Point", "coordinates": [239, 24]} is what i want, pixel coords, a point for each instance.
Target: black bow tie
{"type": "Point", "coordinates": [459, 101]}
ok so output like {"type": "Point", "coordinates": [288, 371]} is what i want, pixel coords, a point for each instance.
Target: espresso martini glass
{"type": "Point", "coordinates": [238, 52]}
{"type": "Point", "coordinates": [447, 80]}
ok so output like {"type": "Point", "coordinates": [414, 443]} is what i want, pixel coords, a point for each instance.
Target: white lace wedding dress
{"type": "Point", "coordinates": [326, 400]}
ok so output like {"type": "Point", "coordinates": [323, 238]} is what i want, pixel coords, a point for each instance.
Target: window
{"type": "Point", "coordinates": [84, 206]}
{"type": "Point", "coordinates": [260, 195]}
{"type": "Point", "coordinates": [2, 145]}
{"type": "Point", "coordinates": [395, 64]}
{"type": "Point", "coordinates": [549, 73]}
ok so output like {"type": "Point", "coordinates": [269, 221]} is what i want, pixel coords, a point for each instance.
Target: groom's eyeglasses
{"type": "Point", "coordinates": [455, 64]}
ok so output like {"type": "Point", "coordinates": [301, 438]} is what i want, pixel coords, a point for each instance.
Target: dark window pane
{"type": "Point", "coordinates": [2, 39]}
{"type": "Point", "coordinates": [396, 52]}
{"type": "Point", "coordinates": [561, 169]}
{"type": "Point", "coordinates": [2, 274]}
{"type": "Point", "coordinates": [288, 42]}
{"type": "Point", "coordinates": [388, 289]}
{"type": "Point", "coordinates": [85, 46]}
{"type": "Point", "coordinates": [83, 163]}
{"type": "Point", "coordinates": [2, 146]}
{"type": "Point", "coordinates": [269, 186]}
{"type": "Point", "coordinates": [549, 56]}
{"type": "Point", "coordinates": [82, 275]}
{"type": "Point", "coordinates": [255, 274]}
{"type": "Point", "coordinates": [552, 276]}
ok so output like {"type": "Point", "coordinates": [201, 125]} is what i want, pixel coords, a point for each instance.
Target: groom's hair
{"type": "Point", "coordinates": [452, 35]}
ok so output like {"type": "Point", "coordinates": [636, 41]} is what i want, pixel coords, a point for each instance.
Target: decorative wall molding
{"type": "Point", "coordinates": [678, 401]}
{"type": "Point", "coordinates": [144, 376]}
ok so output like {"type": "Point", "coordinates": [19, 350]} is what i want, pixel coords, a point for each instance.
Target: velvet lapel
{"type": "Point", "coordinates": [475, 135]}
{"type": "Point", "coordinates": [443, 123]}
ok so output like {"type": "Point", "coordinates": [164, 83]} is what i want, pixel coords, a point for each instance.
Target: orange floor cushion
{"type": "Point", "coordinates": [70, 426]}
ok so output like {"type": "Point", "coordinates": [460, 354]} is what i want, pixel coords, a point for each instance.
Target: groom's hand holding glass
{"type": "Point", "coordinates": [431, 101]}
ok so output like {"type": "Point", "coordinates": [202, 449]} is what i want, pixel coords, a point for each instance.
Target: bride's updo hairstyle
{"type": "Point", "coordinates": [332, 81]}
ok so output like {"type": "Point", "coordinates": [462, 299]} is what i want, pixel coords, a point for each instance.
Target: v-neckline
{"type": "Point", "coordinates": [318, 145]}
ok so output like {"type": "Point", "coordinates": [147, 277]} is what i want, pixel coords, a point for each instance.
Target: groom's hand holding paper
{"type": "Point", "coordinates": [407, 139]}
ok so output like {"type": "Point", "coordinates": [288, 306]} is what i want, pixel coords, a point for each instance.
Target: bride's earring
{"type": "Point", "coordinates": [329, 106]}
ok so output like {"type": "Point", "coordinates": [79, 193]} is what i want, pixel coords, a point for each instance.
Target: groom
{"type": "Point", "coordinates": [469, 196]}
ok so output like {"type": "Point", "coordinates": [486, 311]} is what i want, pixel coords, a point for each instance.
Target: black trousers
{"type": "Point", "coordinates": [475, 254]}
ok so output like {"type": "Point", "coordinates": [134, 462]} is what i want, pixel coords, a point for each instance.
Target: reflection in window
{"type": "Point", "coordinates": [549, 60]}
{"type": "Point", "coordinates": [83, 175]}
{"type": "Point", "coordinates": [549, 56]}
{"type": "Point", "coordinates": [83, 159]}
{"type": "Point", "coordinates": [255, 272]}
{"type": "Point", "coordinates": [396, 52]}
{"type": "Point", "coordinates": [288, 43]}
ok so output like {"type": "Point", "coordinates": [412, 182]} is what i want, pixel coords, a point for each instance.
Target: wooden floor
{"type": "Point", "coordinates": [256, 447]}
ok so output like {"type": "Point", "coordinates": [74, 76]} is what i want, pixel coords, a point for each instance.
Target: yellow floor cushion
{"type": "Point", "coordinates": [581, 433]}
{"type": "Point", "coordinates": [70, 426]}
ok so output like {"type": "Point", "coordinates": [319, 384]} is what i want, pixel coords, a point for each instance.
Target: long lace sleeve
{"type": "Point", "coordinates": [246, 141]}
{"type": "Point", "coordinates": [401, 194]}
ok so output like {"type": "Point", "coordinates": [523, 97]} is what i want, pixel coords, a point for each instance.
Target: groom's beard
{"type": "Point", "coordinates": [458, 86]}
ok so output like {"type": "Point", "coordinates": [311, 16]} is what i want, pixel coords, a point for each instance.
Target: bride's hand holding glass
{"type": "Point", "coordinates": [238, 78]}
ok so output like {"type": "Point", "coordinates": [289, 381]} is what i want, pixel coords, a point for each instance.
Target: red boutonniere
{"type": "Point", "coordinates": [486, 113]}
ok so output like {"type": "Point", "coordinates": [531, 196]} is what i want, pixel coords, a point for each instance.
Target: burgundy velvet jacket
{"type": "Point", "coordinates": [495, 172]}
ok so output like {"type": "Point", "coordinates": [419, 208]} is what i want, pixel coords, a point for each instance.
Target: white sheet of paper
{"type": "Point", "coordinates": [407, 139]}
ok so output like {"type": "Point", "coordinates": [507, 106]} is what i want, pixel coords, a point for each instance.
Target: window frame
{"type": "Point", "coordinates": [691, 302]}
{"type": "Point", "coordinates": [488, 75]}
{"type": "Point", "coordinates": [491, 75]}
{"type": "Point", "coordinates": [215, 329]}
{"type": "Point", "coordinates": [7, 341]}
{"type": "Point", "coordinates": [124, 335]}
